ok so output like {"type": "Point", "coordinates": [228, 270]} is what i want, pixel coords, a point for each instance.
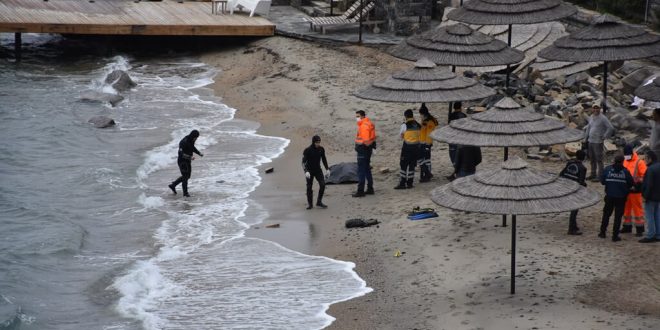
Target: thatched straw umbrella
{"type": "Point", "coordinates": [517, 190]}
{"type": "Point", "coordinates": [650, 92]}
{"type": "Point", "coordinates": [457, 45]}
{"type": "Point", "coordinates": [425, 83]}
{"type": "Point", "coordinates": [507, 124]}
{"type": "Point", "coordinates": [508, 12]}
{"type": "Point", "coordinates": [606, 39]}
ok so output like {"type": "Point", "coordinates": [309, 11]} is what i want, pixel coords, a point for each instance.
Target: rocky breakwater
{"type": "Point", "coordinates": [569, 99]}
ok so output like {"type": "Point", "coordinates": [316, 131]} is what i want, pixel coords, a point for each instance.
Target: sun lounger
{"type": "Point", "coordinates": [339, 22]}
{"type": "Point", "coordinates": [261, 7]}
{"type": "Point", "coordinates": [350, 12]}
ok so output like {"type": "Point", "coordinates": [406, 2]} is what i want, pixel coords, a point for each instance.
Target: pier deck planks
{"type": "Point", "coordinates": [126, 17]}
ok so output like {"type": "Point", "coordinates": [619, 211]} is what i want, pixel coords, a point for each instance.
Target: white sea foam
{"type": "Point", "coordinates": [206, 274]}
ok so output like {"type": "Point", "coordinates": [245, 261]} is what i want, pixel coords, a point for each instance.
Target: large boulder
{"type": "Point", "coordinates": [635, 79]}
{"type": "Point", "coordinates": [95, 96]}
{"type": "Point", "coordinates": [101, 121]}
{"type": "Point", "coordinates": [120, 80]}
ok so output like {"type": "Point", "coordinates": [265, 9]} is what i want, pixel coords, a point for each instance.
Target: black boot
{"type": "Point", "coordinates": [310, 198]}
{"type": "Point", "coordinates": [639, 231]}
{"type": "Point", "coordinates": [370, 190]}
{"type": "Point", "coordinates": [321, 205]}
{"type": "Point", "coordinates": [402, 184]}
{"type": "Point", "coordinates": [625, 229]}
{"type": "Point", "coordinates": [359, 193]}
{"type": "Point", "coordinates": [409, 183]}
{"type": "Point", "coordinates": [172, 187]}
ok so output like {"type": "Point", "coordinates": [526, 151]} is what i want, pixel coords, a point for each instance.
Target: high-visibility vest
{"type": "Point", "coordinates": [411, 135]}
{"type": "Point", "coordinates": [366, 133]}
{"type": "Point", "coordinates": [428, 126]}
{"type": "Point", "coordinates": [636, 167]}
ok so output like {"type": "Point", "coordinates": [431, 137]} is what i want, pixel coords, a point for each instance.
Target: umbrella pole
{"type": "Point", "coordinates": [508, 66]}
{"type": "Point", "coordinates": [360, 30]}
{"type": "Point", "coordinates": [453, 69]}
{"type": "Point", "coordinates": [604, 105]}
{"type": "Point", "coordinates": [513, 254]}
{"type": "Point", "coordinates": [330, 7]}
{"type": "Point", "coordinates": [506, 157]}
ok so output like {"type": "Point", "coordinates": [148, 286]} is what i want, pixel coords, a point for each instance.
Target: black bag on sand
{"type": "Point", "coordinates": [360, 223]}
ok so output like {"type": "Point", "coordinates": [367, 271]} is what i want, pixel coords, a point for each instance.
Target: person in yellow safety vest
{"type": "Point", "coordinates": [429, 123]}
{"type": "Point", "coordinates": [365, 143]}
{"type": "Point", "coordinates": [634, 210]}
{"type": "Point", "coordinates": [409, 151]}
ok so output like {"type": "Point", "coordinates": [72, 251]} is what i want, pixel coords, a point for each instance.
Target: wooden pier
{"type": "Point", "coordinates": [127, 17]}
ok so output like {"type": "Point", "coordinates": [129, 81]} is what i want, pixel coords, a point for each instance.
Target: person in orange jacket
{"type": "Point", "coordinates": [634, 211]}
{"type": "Point", "coordinates": [365, 142]}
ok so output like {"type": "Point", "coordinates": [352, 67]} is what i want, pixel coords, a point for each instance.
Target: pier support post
{"type": "Point", "coordinates": [17, 46]}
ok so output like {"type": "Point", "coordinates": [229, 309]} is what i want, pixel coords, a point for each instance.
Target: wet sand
{"type": "Point", "coordinates": [454, 270]}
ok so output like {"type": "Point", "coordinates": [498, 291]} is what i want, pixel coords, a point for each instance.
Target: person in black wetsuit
{"type": "Point", "coordinates": [186, 149]}
{"type": "Point", "coordinates": [311, 164]}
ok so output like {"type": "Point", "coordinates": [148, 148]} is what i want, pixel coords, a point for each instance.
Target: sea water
{"type": "Point", "coordinates": [92, 238]}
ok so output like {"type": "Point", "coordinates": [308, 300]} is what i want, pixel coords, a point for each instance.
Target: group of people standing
{"type": "Point", "coordinates": [415, 151]}
{"type": "Point", "coordinates": [632, 184]}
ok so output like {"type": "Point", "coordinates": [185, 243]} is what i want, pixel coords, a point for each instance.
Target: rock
{"type": "Point", "coordinates": [593, 81]}
{"type": "Point", "coordinates": [609, 146]}
{"type": "Point", "coordinates": [534, 75]}
{"type": "Point", "coordinates": [633, 80]}
{"type": "Point", "coordinates": [628, 67]}
{"type": "Point", "coordinates": [572, 148]}
{"type": "Point", "coordinates": [479, 109]}
{"type": "Point", "coordinates": [120, 81]}
{"type": "Point", "coordinates": [384, 170]}
{"type": "Point", "coordinates": [571, 100]}
{"type": "Point", "coordinates": [274, 225]}
{"type": "Point", "coordinates": [94, 96]}
{"type": "Point", "coordinates": [269, 170]}
{"type": "Point", "coordinates": [537, 90]}
{"type": "Point", "coordinates": [582, 77]}
{"type": "Point", "coordinates": [539, 82]}
{"type": "Point", "coordinates": [534, 156]}
{"type": "Point", "coordinates": [101, 121]}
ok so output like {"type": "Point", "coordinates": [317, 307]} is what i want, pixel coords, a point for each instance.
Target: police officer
{"type": "Point", "coordinates": [410, 132]}
{"type": "Point", "coordinates": [184, 160]}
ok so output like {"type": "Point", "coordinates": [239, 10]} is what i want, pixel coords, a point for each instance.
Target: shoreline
{"type": "Point", "coordinates": [453, 273]}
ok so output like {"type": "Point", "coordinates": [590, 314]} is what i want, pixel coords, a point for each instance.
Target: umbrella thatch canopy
{"type": "Point", "coordinates": [650, 92]}
{"type": "Point", "coordinates": [505, 12]}
{"type": "Point", "coordinates": [514, 189]}
{"type": "Point", "coordinates": [507, 124]}
{"type": "Point", "coordinates": [425, 83]}
{"type": "Point", "coordinates": [606, 39]}
{"type": "Point", "coordinates": [457, 45]}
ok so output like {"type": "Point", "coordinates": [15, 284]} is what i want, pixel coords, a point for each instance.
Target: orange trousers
{"type": "Point", "coordinates": [634, 210]}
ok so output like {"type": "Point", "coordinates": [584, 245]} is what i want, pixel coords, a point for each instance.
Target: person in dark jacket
{"type": "Point", "coordinates": [184, 160]}
{"type": "Point", "coordinates": [617, 181]}
{"type": "Point", "coordinates": [467, 159]}
{"type": "Point", "coordinates": [651, 194]}
{"type": "Point", "coordinates": [576, 171]}
{"type": "Point", "coordinates": [453, 148]}
{"type": "Point", "coordinates": [311, 163]}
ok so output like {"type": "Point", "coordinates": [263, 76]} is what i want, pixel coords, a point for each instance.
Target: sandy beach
{"type": "Point", "coordinates": [454, 270]}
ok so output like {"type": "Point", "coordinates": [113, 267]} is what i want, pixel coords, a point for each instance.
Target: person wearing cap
{"type": "Point", "coordinates": [184, 160]}
{"type": "Point", "coordinates": [429, 123]}
{"type": "Point", "coordinates": [651, 194]}
{"type": "Point", "coordinates": [617, 181]}
{"type": "Point", "coordinates": [311, 164]}
{"type": "Point", "coordinates": [598, 129]}
{"type": "Point", "coordinates": [365, 143]}
{"type": "Point", "coordinates": [453, 148]}
{"type": "Point", "coordinates": [634, 210]}
{"type": "Point", "coordinates": [410, 133]}
{"type": "Point", "coordinates": [575, 170]}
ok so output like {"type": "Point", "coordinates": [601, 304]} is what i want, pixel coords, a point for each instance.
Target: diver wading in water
{"type": "Point", "coordinates": [184, 160]}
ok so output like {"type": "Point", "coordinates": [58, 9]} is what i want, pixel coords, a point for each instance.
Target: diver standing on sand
{"type": "Point", "coordinates": [184, 160]}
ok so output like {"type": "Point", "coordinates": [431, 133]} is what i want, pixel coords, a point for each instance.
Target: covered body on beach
{"type": "Point", "coordinates": [514, 189]}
